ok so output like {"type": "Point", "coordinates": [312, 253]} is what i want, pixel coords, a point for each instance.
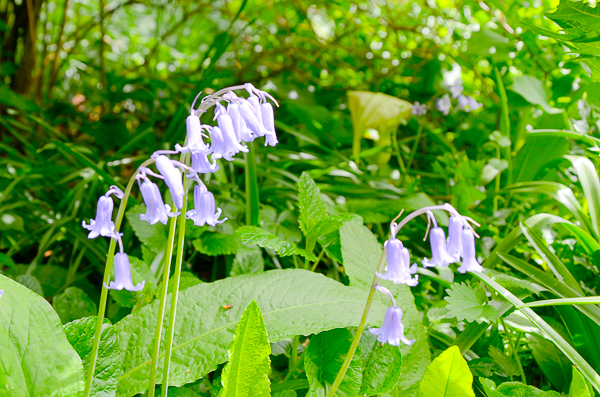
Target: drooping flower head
{"type": "Point", "coordinates": [195, 143]}
{"type": "Point", "coordinates": [123, 275]}
{"type": "Point", "coordinates": [469, 258]}
{"type": "Point", "coordinates": [231, 144]}
{"type": "Point", "coordinates": [156, 209]}
{"type": "Point", "coordinates": [443, 104]}
{"type": "Point", "coordinates": [242, 132]}
{"type": "Point", "coordinates": [103, 224]}
{"type": "Point", "coordinates": [202, 165]}
{"type": "Point", "coordinates": [217, 143]}
{"type": "Point", "coordinates": [437, 240]}
{"type": "Point", "coordinates": [418, 109]}
{"type": "Point", "coordinates": [392, 329]}
{"type": "Point", "coordinates": [172, 178]}
{"type": "Point", "coordinates": [204, 207]}
{"type": "Point", "coordinates": [455, 243]}
{"type": "Point", "coordinates": [399, 270]}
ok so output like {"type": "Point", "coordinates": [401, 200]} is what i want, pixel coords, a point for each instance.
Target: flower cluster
{"type": "Point", "coordinates": [242, 121]}
{"type": "Point", "coordinates": [444, 104]}
{"type": "Point", "coordinates": [460, 245]}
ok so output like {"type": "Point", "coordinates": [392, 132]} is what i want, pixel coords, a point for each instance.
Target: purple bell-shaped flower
{"type": "Point", "coordinates": [455, 243]}
{"type": "Point", "coordinates": [195, 143]}
{"type": "Point", "coordinates": [172, 178]}
{"type": "Point", "coordinates": [156, 209]}
{"type": "Point", "coordinates": [437, 240]}
{"type": "Point", "coordinates": [242, 132]}
{"type": "Point", "coordinates": [392, 329]}
{"type": "Point", "coordinates": [103, 224]}
{"type": "Point", "coordinates": [204, 208]}
{"type": "Point", "coordinates": [469, 262]}
{"type": "Point", "coordinates": [201, 164]}
{"type": "Point", "coordinates": [217, 143]}
{"type": "Point", "coordinates": [231, 143]}
{"type": "Point", "coordinates": [443, 104]}
{"type": "Point", "coordinates": [399, 270]}
{"type": "Point", "coordinates": [254, 124]}
{"type": "Point", "coordinates": [123, 275]}
{"type": "Point", "coordinates": [268, 119]}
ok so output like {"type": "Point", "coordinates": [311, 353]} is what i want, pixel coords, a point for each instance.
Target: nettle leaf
{"type": "Point", "coordinates": [324, 358]}
{"type": "Point", "coordinates": [247, 260]}
{"type": "Point", "coordinates": [447, 376]}
{"type": "Point", "coordinates": [153, 236]}
{"type": "Point", "coordinates": [215, 244]}
{"type": "Point", "coordinates": [361, 253]}
{"type": "Point", "coordinates": [382, 366]}
{"type": "Point", "coordinates": [311, 204]}
{"type": "Point", "coordinates": [36, 359]}
{"type": "Point", "coordinates": [465, 304]}
{"type": "Point", "coordinates": [256, 236]}
{"type": "Point", "coordinates": [247, 372]}
{"type": "Point", "coordinates": [73, 304]}
{"type": "Point", "coordinates": [292, 301]}
{"type": "Point", "coordinates": [80, 334]}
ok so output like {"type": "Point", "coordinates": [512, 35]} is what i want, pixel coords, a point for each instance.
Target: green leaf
{"type": "Point", "coordinates": [489, 387]}
{"type": "Point", "coordinates": [579, 15]}
{"type": "Point", "coordinates": [11, 99]}
{"type": "Point", "coordinates": [447, 376]}
{"type": "Point", "coordinates": [80, 334]}
{"type": "Point", "coordinates": [293, 302]}
{"type": "Point", "coordinates": [153, 236]}
{"type": "Point", "coordinates": [324, 358]}
{"type": "Point", "coordinates": [553, 363]}
{"type": "Point", "coordinates": [465, 304]}
{"type": "Point", "coordinates": [508, 365]}
{"type": "Point", "coordinates": [285, 393]}
{"type": "Point", "coordinates": [247, 372]}
{"type": "Point", "coordinates": [588, 177]}
{"type": "Point", "coordinates": [311, 205]}
{"type": "Point", "coordinates": [256, 236]}
{"type": "Point", "coordinates": [73, 304]}
{"type": "Point", "coordinates": [579, 386]}
{"type": "Point", "coordinates": [30, 282]}
{"type": "Point", "coordinates": [247, 260]}
{"type": "Point", "coordinates": [534, 92]}
{"type": "Point", "coordinates": [517, 389]}
{"type": "Point", "coordinates": [382, 366]}
{"type": "Point", "coordinates": [362, 253]}
{"type": "Point", "coordinates": [36, 359]}
{"type": "Point", "coordinates": [215, 244]}
{"type": "Point", "coordinates": [188, 279]}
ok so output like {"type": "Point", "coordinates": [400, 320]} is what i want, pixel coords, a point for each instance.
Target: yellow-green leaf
{"type": "Point", "coordinates": [447, 376]}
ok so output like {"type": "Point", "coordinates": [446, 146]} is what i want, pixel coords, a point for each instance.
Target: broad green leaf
{"type": "Point", "coordinates": [80, 334]}
{"type": "Point", "coordinates": [153, 236]}
{"type": "Point", "coordinates": [528, 165]}
{"type": "Point", "coordinates": [215, 244]}
{"type": "Point", "coordinates": [382, 365]}
{"type": "Point", "coordinates": [30, 282]}
{"type": "Point", "coordinates": [37, 360]}
{"type": "Point", "coordinates": [534, 92]}
{"type": "Point", "coordinates": [580, 15]}
{"type": "Point", "coordinates": [508, 365]}
{"type": "Point", "coordinates": [362, 253]}
{"type": "Point", "coordinates": [247, 372]}
{"type": "Point", "coordinates": [588, 177]}
{"type": "Point", "coordinates": [247, 260]}
{"type": "Point", "coordinates": [489, 387]}
{"type": "Point", "coordinates": [311, 205]}
{"type": "Point", "coordinates": [293, 302]}
{"type": "Point", "coordinates": [579, 386]}
{"type": "Point", "coordinates": [465, 304]}
{"type": "Point", "coordinates": [517, 389]}
{"type": "Point", "coordinates": [285, 393]}
{"type": "Point", "coordinates": [552, 335]}
{"type": "Point", "coordinates": [553, 363]}
{"type": "Point", "coordinates": [188, 279]}
{"type": "Point", "coordinates": [447, 376]}
{"type": "Point", "coordinates": [324, 358]}
{"type": "Point", "coordinates": [73, 304]}
{"type": "Point", "coordinates": [253, 235]}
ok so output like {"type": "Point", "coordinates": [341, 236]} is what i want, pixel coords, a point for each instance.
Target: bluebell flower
{"type": "Point", "coordinates": [443, 104]}
{"type": "Point", "coordinates": [202, 165]}
{"type": "Point", "coordinates": [251, 118]}
{"type": "Point", "coordinates": [123, 275]}
{"type": "Point", "coordinates": [399, 270]}
{"type": "Point", "coordinates": [156, 209]}
{"type": "Point", "coordinates": [242, 132]}
{"type": "Point", "coordinates": [204, 208]}
{"type": "Point", "coordinates": [468, 103]}
{"type": "Point", "coordinates": [455, 228]}
{"type": "Point", "coordinates": [469, 262]}
{"type": "Point", "coordinates": [103, 224]}
{"type": "Point", "coordinates": [172, 178]}
{"type": "Point", "coordinates": [195, 143]}
{"type": "Point", "coordinates": [437, 240]}
{"type": "Point", "coordinates": [456, 89]}
{"type": "Point", "coordinates": [217, 143]}
{"type": "Point", "coordinates": [392, 329]}
{"type": "Point", "coordinates": [231, 143]}
{"type": "Point", "coordinates": [418, 109]}
{"type": "Point", "coordinates": [268, 119]}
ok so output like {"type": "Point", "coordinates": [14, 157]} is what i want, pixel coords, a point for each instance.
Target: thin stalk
{"type": "Point", "coordinates": [294, 353]}
{"type": "Point", "coordinates": [175, 292]}
{"type": "Point", "coordinates": [516, 353]}
{"type": "Point", "coordinates": [105, 280]}
{"type": "Point", "coordinates": [252, 195]}
{"type": "Point", "coordinates": [416, 144]}
{"type": "Point", "coordinates": [314, 267]}
{"type": "Point", "coordinates": [161, 307]}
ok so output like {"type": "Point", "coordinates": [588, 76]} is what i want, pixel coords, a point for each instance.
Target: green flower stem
{"type": "Point", "coordinates": [359, 332]}
{"type": "Point", "coordinates": [105, 280]}
{"type": "Point", "coordinates": [161, 307]}
{"type": "Point", "coordinates": [175, 292]}
{"type": "Point", "coordinates": [252, 194]}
